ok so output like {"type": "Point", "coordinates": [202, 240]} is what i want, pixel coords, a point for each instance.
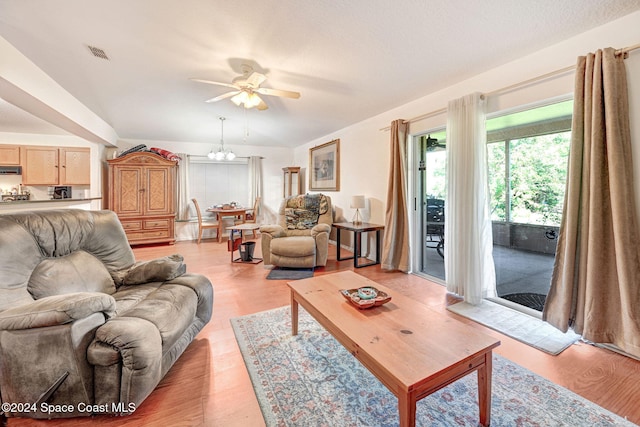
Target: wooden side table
{"type": "Point", "coordinates": [232, 246]}
{"type": "Point", "coordinates": [357, 230]}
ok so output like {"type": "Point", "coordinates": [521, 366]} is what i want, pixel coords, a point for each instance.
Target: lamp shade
{"type": "Point", "coordinates": [357, 202]}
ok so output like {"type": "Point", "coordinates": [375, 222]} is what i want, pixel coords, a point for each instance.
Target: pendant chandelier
{"type": "Point", "coordinates": [221, 154]}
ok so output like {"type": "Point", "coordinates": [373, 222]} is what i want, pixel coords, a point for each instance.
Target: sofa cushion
{"type": "Point", "coordinates": [170, 307]}
{"type": "Point", "coordinates": [294, 246]}
{"type": "Point", "coordinates": [76, 272]}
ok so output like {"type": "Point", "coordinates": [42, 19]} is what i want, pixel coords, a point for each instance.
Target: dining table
{"type": "Point", "coordinates": [238, 214]}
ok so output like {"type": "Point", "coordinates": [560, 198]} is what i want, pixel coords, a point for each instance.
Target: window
{"type": "Point", "coordinates": [527, 163]}
{"type": "Point", "coordinates": [213, 183]}
{"type": "Point", "coordinates": [531, 190]}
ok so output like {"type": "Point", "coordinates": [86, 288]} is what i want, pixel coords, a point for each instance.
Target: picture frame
{"type": "Point", "coordinates": [324, 167]}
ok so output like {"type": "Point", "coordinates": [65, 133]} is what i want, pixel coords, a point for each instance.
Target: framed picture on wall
{"type": "Point", "coordinates": [324, 167]}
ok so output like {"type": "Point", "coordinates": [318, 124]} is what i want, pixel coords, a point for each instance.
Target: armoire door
{"type": "Point", "coordinates": [129, 195]}
{"type": "Point", "coordinates": [158, 191]}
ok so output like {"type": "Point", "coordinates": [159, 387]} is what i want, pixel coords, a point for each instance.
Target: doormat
{"type": "Point", "coordinates": [284, 273]}
{"type": "Point", "coordinates": [527, 329]}
{"type": "Point", "coordinates": [311, 380]}
{"type": "Point", "coordinates": [528, 299]}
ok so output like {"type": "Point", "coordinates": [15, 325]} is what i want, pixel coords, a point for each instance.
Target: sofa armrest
{"type": "Point", "coordinates": [203, 288]}
{"type": "Point", "coordinates": [273, 230]}
{"type": "Point", "coordinates": [57, 310]}
{"type": "Point", "coordinates": [137, 345]}
{"type": "Point", "coordinates": [320, 228]}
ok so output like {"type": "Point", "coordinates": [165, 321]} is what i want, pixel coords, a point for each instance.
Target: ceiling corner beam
{"type": "Point", "coordinates": [27, 87]}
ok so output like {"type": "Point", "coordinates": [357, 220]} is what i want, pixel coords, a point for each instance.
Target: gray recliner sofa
{"type": "Point", "coordinates": [84, 328]}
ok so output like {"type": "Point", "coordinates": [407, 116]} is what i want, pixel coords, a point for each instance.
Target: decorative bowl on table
{"type": "Point", "coordinates": [372, 297]}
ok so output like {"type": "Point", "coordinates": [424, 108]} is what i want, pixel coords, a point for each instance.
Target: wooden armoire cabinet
{"type": "Point", "coordinates": [142, 188]}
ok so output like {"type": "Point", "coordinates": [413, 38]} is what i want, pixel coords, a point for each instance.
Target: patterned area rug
{"type": "Point", "coordinates": [311, 380]}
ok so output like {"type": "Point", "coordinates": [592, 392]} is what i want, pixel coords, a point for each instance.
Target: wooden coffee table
{"type": "Point", "coordinates": [413, 350]}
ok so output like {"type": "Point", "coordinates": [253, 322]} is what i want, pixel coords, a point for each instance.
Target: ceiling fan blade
{"type": "Point", "coordinates": [278, 92]}
{"type": "Point", "coordinates": [255, 80]}
{"type": "Point", "coordinates": [215, 83]}
{"type": "Point", "coordinates": [223, 96]}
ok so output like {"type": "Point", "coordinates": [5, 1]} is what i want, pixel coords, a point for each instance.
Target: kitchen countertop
{"type": "Point", "coordinates": [16, 202]}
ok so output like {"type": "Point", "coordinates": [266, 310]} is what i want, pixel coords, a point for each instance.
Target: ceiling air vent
{"type": "Point", "coordinates": [98, 53]}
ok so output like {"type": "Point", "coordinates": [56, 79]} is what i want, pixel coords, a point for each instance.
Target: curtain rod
{"type": "Point", "coordinates": [624, 51]}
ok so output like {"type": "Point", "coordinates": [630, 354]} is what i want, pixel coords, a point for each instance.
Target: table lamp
{"type": "Point", "coordinates": [357, 203]}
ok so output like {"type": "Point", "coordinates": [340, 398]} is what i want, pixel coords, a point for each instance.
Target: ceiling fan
{"type": "Point", "coordinates": [246, 89]}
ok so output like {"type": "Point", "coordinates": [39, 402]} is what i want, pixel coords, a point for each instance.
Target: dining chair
{"type": "Point", "coordinates": [252, 214]}
{"type": "Point", "coordinates": [203, 224]}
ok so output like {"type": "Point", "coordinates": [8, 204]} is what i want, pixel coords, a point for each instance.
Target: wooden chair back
{"type": "Point", "coordinates": [202, 225]}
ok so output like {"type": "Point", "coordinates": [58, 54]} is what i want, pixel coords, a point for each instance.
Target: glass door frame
{"type": "Point", "coordinates": [417, 201]}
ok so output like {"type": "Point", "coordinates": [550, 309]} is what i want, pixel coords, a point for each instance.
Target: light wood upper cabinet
{"type": "Point", "coordinates": [9, 155]}
{"type": "Point", "coordinates": [55, 166]}
{"type": "Point", "coordinates": [75, 166]}
{"type": "Point", "coordinates": [39, 165]}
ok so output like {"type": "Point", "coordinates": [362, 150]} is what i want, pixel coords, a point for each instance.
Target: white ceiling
{"type": "Point", "coordinates": [350, 60]}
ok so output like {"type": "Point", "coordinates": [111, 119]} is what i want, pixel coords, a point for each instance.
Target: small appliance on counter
{"type": "Point", "coordinates": [14, 197]}
{"type": "Point", "coordinates": [62, 192]}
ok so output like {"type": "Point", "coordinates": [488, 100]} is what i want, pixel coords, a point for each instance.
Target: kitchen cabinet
{"type": "Point", "coordinates": [44, 165]}
{"type": "Point", "coordinates": [141, 192]}
{"type": "Point", "coordinates": [9, 155]}
{"type": "Point", "coordinates": [74, 166]}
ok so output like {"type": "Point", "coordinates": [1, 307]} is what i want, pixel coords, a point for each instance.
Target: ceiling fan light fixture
{"type": "Point", "coordinates": [253, 100]}
{"type": "Point", "coordinates": [240, 98]}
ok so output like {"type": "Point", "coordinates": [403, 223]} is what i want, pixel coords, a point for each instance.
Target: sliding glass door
{"type": "Point", "coordinates": [431, 195]}
{"type": "Point", "coordinates": [527, 154]}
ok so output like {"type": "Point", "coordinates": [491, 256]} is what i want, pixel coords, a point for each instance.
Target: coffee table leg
{"type": "Point", "coordinates": [407, 410]}
{"type": "Point", "coordinates": [294, 315]}
{"type": "Point", "coordinates": [484, 389]}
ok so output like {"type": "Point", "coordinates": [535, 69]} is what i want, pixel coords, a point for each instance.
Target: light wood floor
{"type": "Point", "coordinates": [209, 384]}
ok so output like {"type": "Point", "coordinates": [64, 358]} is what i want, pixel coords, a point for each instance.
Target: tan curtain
{"type": "Point", "coordinates": [395, 248]}
{"type": "Point", "coordinates": [595, 283]}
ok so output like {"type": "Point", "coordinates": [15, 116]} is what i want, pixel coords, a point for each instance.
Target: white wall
{"type": "Point", "coordinates": [365, 148]}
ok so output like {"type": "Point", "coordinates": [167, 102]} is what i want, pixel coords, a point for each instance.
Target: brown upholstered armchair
{"type": "Point", "coordinates": [301, 237]}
